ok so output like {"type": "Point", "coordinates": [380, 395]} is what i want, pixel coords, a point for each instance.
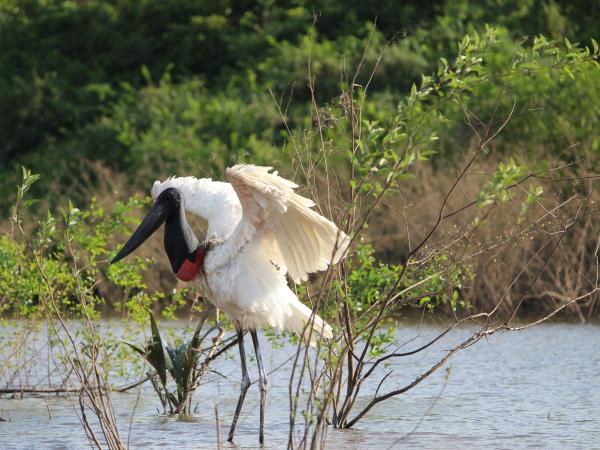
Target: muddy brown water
{"type": "Point", "coordinates": [539, 388]}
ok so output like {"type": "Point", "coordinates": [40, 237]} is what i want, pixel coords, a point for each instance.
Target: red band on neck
{"type": "Point", "coordinates": [189, 269]}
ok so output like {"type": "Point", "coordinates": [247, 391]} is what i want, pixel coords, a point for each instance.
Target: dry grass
{"type": "Point", "coordinates": [512, 236]}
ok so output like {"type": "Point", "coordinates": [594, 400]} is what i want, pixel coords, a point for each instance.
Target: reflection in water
{"type": "Point", "coordinates": [540, 387]}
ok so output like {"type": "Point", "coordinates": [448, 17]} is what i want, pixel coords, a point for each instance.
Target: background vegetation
{"type": "Point", "coordinates": [103, 97]}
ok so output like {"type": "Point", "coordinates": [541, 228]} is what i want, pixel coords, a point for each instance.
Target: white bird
{"type": "Point", "coordinates": [259, 229]}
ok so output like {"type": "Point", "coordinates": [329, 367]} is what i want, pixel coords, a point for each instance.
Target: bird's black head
{"type": "Point", "coordinates": [180, 241]}
{"type": "Point", "coordinates": [170, 196]}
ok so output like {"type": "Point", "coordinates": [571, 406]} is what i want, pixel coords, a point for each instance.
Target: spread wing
{"type": "Point", "coordinates": [291, 234]}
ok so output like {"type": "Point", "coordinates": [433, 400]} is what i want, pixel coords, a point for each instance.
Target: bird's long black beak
{"type": "Point", "coordinates": [154, 219]}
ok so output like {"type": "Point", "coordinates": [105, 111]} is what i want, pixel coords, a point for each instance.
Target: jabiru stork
{"type": "Point", "coordinates": [259, 230]}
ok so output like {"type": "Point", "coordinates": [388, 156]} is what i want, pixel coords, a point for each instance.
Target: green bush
{"type": "Point", "coordinates": [62, 263]}
{"type": "Point", "coordinates": [64, 65]}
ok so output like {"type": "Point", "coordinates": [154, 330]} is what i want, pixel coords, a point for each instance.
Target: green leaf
{"type": "Point", "coordinates": [136, 348]}
{"type": "Point", "coordinates": [569, 72]}
{"type": "Point", "coordinates": [156, 353]}
{"type": "Point", "coordinates": [146, 74]}
{"type": "Point", "coordinates": [424, 300]}
{"type": "Point", "coordinates": [178, 356]}
{"type": "Point", "coordinates": [172, 398]}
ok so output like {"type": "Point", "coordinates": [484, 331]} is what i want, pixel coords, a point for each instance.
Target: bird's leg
{"type": "Point", "coordinates": [262, 380]}
{"type": "Point", "coordinates": [245, 382]}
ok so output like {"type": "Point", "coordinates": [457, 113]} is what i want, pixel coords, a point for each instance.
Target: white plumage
{"type": "Point", "coordinates": [261, 230]}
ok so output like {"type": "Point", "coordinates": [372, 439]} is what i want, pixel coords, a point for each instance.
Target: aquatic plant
{"type": "Point", "coordinates": [180, 362]}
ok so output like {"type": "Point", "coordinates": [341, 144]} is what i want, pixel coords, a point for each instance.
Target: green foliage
{"type": "Point", "coordinates": [18, 279]}
{"type": "Point", "coordinates": [497, 189]}
{"type": "Point", "coordinates": [430, 284]}
{"type": "Point", "coordinates": [66, 257]}
{"type": "Point", "coordinates": [154, 88]}
{"type": "Point", "coordinates": [369, 281]}
{"type": "Point", "coordinates": [160, 129]}
{"type": "Point", "coordinates": [179, 361]}
{"type": "Point", "coordinates": [426, 284]}
{"type": "Point", "coordinates": [156, 353]}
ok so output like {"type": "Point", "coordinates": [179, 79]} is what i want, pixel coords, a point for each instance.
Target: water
{"type": "Point", "coordinates": [539, 388]}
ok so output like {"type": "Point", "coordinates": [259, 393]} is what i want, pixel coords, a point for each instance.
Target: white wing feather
{"type": "Point", "coordinates": [264, 230]}
{"type": "Point", "coordinates": [304, 241]}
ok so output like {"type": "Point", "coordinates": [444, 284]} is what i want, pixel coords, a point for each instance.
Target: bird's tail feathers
{"type": "Point", "coordinates": [301, 315]}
